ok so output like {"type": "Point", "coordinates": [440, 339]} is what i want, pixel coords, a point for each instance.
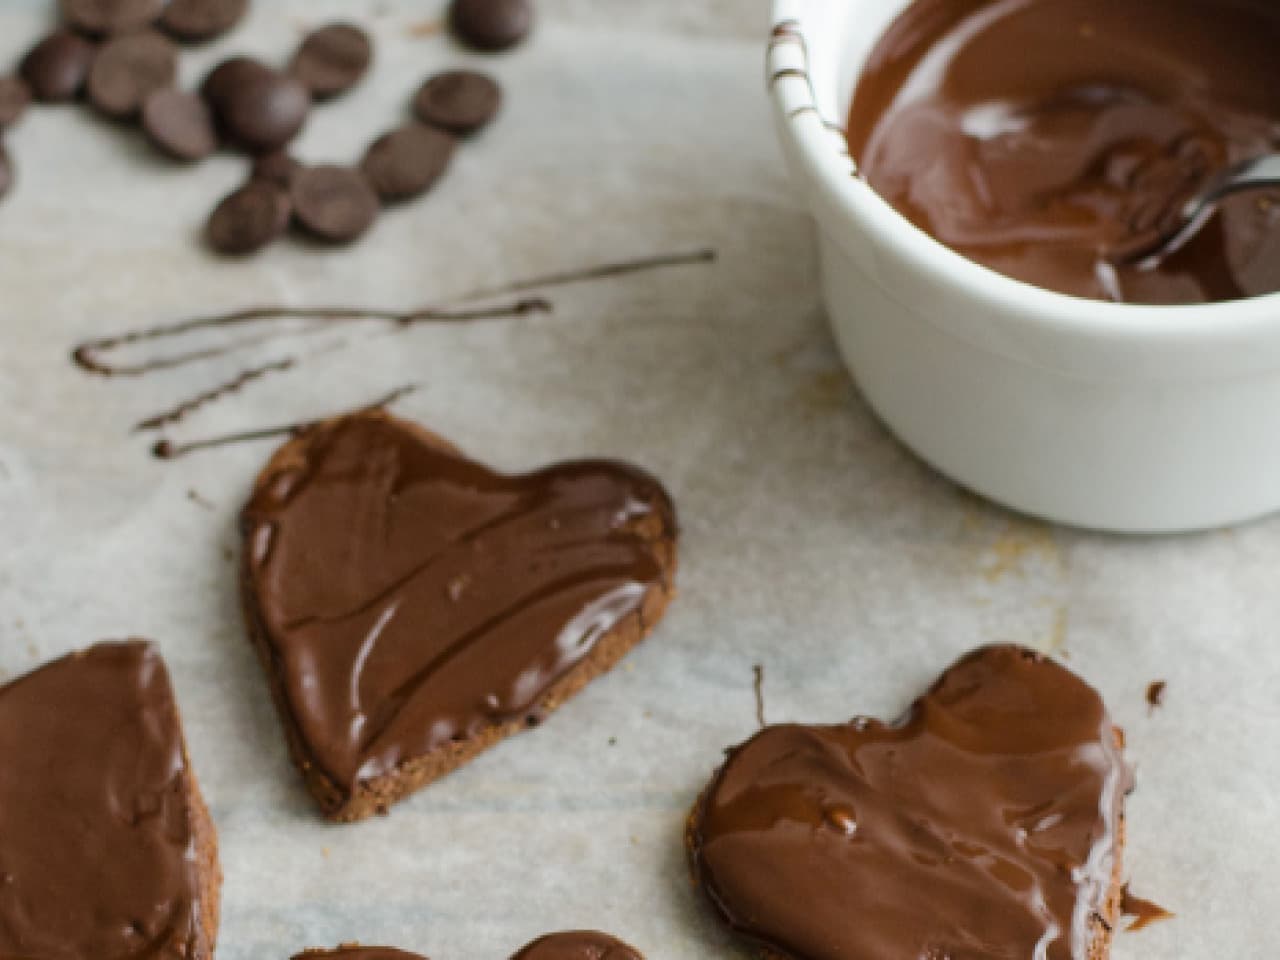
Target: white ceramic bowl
{"type": "Point", "coordinates": [1110, 416]}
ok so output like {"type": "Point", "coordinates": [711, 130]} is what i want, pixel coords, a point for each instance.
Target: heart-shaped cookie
{"type": "Point", "coordinates": [106, 847]}
{"type": "Point", "coordinates": [985, 825]}
{"type": "Point", "coordinates": [413, 607]}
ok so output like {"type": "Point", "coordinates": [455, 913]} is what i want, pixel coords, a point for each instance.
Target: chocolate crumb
{"type": "Point", "coordinates": [1155, 695]}
{"type": "Point", "coordinates": [1144, 912]}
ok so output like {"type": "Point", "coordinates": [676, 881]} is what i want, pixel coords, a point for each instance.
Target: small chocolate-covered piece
{"type": "Point", "coordinates": [491, 25]}
{"type": "Point", "coordinates": [460, 101]}
{"type": "Point", "coordinates": [105, 17]}
{"type": "Point", "coordinates": [15, 97]}
{"type": "Point", "coordinates": [332, 60]}
{"type": "Point", "coordinates": [196, 20]}
{"type": "Point", "coordinates": [128, 69]}
{"type": "Point", "coordinates": [407, 162]}
{"type": "Point", "coordinates": [578, 945]}
{"type": "Point", "coordinates": [56, 68]}
{"type": "Point", "coordinates": [249, 219]}
{"type": "Point", "coordinates": [257, 108]}
{"type": "Point", "coordinates": [333, 203]}
{"type": "Point", "coordinates": [278, 167]}
{"type": "Point", "coordinates": [180, 124]}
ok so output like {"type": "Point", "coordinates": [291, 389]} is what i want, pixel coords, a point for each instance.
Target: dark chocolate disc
{"type": "Point", "coordinates": [407, 162]}
{"type": "Point", "coordinates": [249, 219]}
{"type": "Point", "coordinates": [15, 97]}
{"type": "Point", "coordinates": [105, 17]}
{"type": "Point", "coordinates": [180, 124]}
{"type": "Point", "coordinates": [128, 69]}
{"type": "Point", "coordinates": [56, 68]}
{"type": "Point", "coordinates": [332, 60]}
{"type": "Point", "coordinates": [491, 25]}
{"type": "Point", "coordinates": [278, 168]}
{"type": "Point", "coordinates": [336, 204]}
{"type": "Point", "coordinates": [256, 107]}
{"type": "Point", "coordinates": [460, 101]}
{"type": "Point", "coordinates": [196, 20]}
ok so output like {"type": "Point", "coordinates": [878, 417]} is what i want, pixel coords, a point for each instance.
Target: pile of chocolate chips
{"type": "Point", "coordinates": [122, 57]}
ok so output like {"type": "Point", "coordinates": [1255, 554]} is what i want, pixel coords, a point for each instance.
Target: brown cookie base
{"type": "Point", "coordinates": [377, 795]}
{"type": "Point", "coordinates": [207, 867]}
{"type": "Point", "coordinates": [1103, 925]}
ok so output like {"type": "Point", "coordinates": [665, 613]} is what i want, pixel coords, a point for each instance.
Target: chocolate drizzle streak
{"type": "Point", "coordinates": [255, 326]}
{"type": "Point", "coordinates": [89, 356]}
{"type": "Point", "coordinates": [167, 450]}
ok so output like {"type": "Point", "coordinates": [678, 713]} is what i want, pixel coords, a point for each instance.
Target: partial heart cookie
{"type": "Point", "coordinates": [106, 847]}
{"type": "Point", "coordinates": [412, 607]}
{"type": "Point", "coordinates": [987, 823]}
{"type": "Point", "coordinates": [567, 945]}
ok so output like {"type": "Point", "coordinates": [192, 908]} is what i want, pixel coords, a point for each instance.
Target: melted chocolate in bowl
{"type": "Point", "coordinates": [1039, 137]}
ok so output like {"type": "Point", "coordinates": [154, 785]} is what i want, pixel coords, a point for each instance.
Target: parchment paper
{"type": "Point", "coordinates": [813, 544]}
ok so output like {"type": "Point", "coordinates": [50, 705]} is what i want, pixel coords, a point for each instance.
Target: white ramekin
{"type": "Point", "coordinates": [1110, 416]}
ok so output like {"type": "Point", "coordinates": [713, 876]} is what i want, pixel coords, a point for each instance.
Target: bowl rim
{"type": "Point", "coordinates": [823, 153]}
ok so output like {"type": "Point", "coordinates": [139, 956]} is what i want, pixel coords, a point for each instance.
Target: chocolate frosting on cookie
{"type": "Point", "coordinates": [410, 596]}
{"type": "Point", "coordinates": [354, 952]}
{"type": "Point", "coordinates": [983, 824]}
{"type": "Point", "coordinates": [100, 853]}
{"type": "Point", "coordinates": [578, 945]}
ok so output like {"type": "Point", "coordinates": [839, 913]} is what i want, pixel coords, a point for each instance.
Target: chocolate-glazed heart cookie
{"type": "Point", "coordinates": [413, 607]}
{"type": "Point", "coordinates": [986, 823]}
{"type": "Point", "coordinates": [108, 851]}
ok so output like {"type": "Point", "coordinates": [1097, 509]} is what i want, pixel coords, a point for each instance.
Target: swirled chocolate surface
{"type": "Point", "coordinates": [578, 945]}
{"type": "Point", "coordinates": [99, 849]}
{"type": "Point", "coordinates": [411, 597]}
{"type": "Point", "coordinates": [1040, 137]}
{"type": "Point", "coordinates": [983, 824]}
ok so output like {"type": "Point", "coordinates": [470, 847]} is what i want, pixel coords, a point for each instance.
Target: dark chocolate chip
{"type": "Point", "coordinates": [195, 20]}
{"type": "Point", "coordinates": [6, 171]}
{"type": "Point", "coordinates": [180, 124]}
{"type": "Point", "coordinates": [249, 219]}
{"type": "Point", "coordinates": [332, 60]}
{"type": "Point", "coordinates": [461, 101]}
{"type": "Point", "coordinates": [104, 17]}
{"type": "Point", "coordinates": [15, 97]}
{"type": "Point", "coordinates": [278, 168]}
{"type": "Point", "coordinates": [491, 25]}
{"type": "Point", "coordinates": [406, 162]}
{"type": "Point", "coordinates": [128, 69]}
{"type": "Point", "coordinates": [57, 66]}
{"type": "Point", "coordinates": [257, 108]}
{"type": "Point", "coordinates": [336, 204]}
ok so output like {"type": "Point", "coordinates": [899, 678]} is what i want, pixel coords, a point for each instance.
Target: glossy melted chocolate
{"type": "Point", "coordinates": [411, 596]}
{"type": "Point", "coordinates": [578, 945]}
{"type": "Point", "coordinates": [98, 854]}
{"type": "Point", "coordinates": [355, 952]}
{"type": "Point", "coordinates": [1042, 137]}
{"type": "Point", "coordinates": [983, 824]}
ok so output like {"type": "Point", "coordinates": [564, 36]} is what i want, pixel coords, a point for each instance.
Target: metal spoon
{"type": "Point", "coordinates": [1177, 232]}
